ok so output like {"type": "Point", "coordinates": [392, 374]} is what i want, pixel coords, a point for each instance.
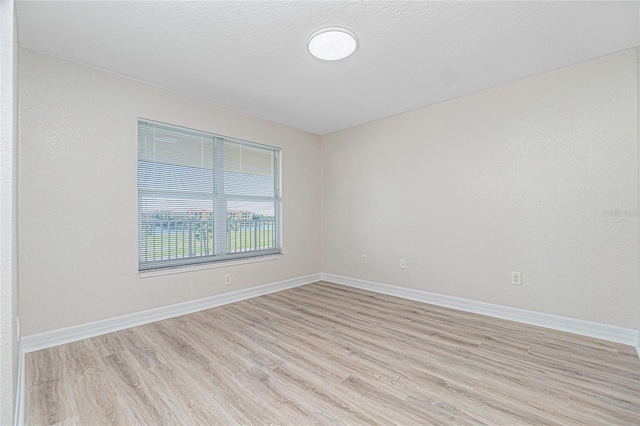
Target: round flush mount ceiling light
{"type": "Point", "coordinates": [332, 43]}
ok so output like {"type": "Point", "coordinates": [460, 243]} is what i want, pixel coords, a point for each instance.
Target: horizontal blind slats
{"type": "Point", "coordinates": [177, 197]}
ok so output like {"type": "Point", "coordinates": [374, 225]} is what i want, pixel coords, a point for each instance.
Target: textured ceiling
{"type": "Point", "coordinates": [252, 56]}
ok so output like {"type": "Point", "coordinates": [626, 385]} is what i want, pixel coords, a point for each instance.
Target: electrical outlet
{"type": "Point", "coordinates": [516, 278]}
{"type": "Point", "coordinates": [227, 279]}
{"type": "Point", "coordinates": [403, 263]}
{"type": "Point", "coordinates": [364, 258]}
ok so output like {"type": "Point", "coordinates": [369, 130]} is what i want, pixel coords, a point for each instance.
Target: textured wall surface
{"type": "Point", "coordinates": [539, 176]}
{"type": "Point", "coordinates": [8, 213]}
{"type": "Point", "coordinates": [78, 195]}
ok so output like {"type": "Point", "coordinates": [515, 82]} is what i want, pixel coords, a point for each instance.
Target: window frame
{"type": "Point", "coordinates": [219, 200]}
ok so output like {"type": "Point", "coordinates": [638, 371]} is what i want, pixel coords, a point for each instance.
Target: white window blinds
{"type": "Point", "coordinates": [204, 198]}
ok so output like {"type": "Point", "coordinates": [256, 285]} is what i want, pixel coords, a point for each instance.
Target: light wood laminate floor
{"type": "Point", "coordinates": [332, 355]}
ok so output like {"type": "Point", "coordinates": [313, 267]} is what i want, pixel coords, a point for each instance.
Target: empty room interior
{"type": "Point", "coordinates": [336, 213]}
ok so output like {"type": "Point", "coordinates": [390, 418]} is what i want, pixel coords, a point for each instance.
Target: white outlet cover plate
{"type": "Point", "coordinates": [516, 278]}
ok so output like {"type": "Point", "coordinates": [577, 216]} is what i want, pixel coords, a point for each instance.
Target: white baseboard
{"type": "Point", "coordinates": [18, 419]}
{"type": "Point", "coordinates": [83, 331]}
{"type": "Point", "coordinates": [611, 333]}
{"type": "Point", "coordinates": [52, 338]}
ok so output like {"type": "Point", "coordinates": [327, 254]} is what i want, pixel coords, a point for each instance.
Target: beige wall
{"type": "Point", "coordinates": [78, 197]}
{"type": "Point", "coordinates": [539, 176]}
{"type": "Point", "coordinates": [8, 212]}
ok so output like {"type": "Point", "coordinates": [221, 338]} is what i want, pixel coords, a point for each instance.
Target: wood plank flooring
{"type": "Point", "coordinates": [324, 354]}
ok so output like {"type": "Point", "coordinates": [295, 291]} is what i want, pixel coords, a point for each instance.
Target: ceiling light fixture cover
{"type": "Point", "coordinates": [332, 43]}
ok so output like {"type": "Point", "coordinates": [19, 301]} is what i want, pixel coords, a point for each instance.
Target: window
{"type": "Point", "coordinates": [204, 198]}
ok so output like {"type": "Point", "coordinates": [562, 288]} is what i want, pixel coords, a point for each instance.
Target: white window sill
{"type": "Point", "coordinates": [220, 264]}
